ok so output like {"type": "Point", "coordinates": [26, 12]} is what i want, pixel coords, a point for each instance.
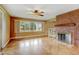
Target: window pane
{"type": "Point", "coordinates": [24, 27]}
{"type": "Point", "coordinates": [30, 26]}
{"type": "Point", "coordinates": [27, 28]}
{"type": "Point", "coordinates": [38, 26]}
{"type": "Point", "coordinates": [33, 26]}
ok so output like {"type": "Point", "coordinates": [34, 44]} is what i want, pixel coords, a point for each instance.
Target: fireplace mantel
{"type": "Point", "coordinates": [67, 24]}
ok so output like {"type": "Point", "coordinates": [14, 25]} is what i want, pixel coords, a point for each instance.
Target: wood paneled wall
{"type": "Point", "coordinates": [13, 33]}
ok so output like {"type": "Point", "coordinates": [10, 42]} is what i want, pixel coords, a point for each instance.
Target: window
{"type": "Point", "coordinates": [30, 26]}
{"type": "Point", "coordinates": [24, 27]}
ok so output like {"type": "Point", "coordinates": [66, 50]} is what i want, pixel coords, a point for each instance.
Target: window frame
{"type": "Point", "coordinates": [42, 23]}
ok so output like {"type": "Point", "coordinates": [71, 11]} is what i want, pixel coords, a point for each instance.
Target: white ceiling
{"type": "Point", "coordinates": [51, 10]}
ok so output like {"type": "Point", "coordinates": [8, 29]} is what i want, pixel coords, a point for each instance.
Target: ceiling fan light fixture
{"type": "Point", "coordinates": [36, 11]}
{"type": "Point", "coordinates": [41, 15]}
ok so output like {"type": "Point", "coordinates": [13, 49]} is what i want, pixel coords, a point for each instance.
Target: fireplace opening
{"type": "Point", "coordinates": [61, 37]}
{"type": "Point", "coordinates": [64, 37]}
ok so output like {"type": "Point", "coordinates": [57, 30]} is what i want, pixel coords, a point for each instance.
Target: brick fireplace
{"type": "Point", "coordinates": [69, 23]}
{"type": "Point", "coordinates": [65, 34]}
{"type": "Point", "coordinates": [62, 34]}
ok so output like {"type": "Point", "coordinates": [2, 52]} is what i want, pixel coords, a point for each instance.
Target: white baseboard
{"type": "Point", "coordinates": [5, 44]}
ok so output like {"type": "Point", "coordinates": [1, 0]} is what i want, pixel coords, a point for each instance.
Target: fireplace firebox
{"type": "Point", "coordinates": [61, 37]}
{"type": "Point", "coordinates": [64, 37]}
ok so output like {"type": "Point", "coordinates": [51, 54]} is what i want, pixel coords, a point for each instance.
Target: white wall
{"type": "Point", "coordinates": [5, 27]}
{"type": "Point", "coordinates": [3, 31]}
{"type": "Point", "coordinates": [0, 29]}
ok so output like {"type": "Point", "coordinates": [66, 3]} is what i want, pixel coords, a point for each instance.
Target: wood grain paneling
{"type": "Point", "coordinates": [13, 29]}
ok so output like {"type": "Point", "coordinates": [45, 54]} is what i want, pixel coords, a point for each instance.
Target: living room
{"type": "Point", "coordinates": [39, 29]}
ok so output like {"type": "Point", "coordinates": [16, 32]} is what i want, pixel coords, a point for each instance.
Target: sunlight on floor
{"type": "Point", "coordinates": [38, 46]}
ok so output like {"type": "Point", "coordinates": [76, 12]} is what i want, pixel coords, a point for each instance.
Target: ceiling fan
{"type": "Point", "coordinates": [39, 13]}
{"type": "Point", "coordinates": [36, 12]}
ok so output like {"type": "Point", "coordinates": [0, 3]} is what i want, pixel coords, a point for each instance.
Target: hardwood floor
{"type": "Point", "coordinates": [39, 46]}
